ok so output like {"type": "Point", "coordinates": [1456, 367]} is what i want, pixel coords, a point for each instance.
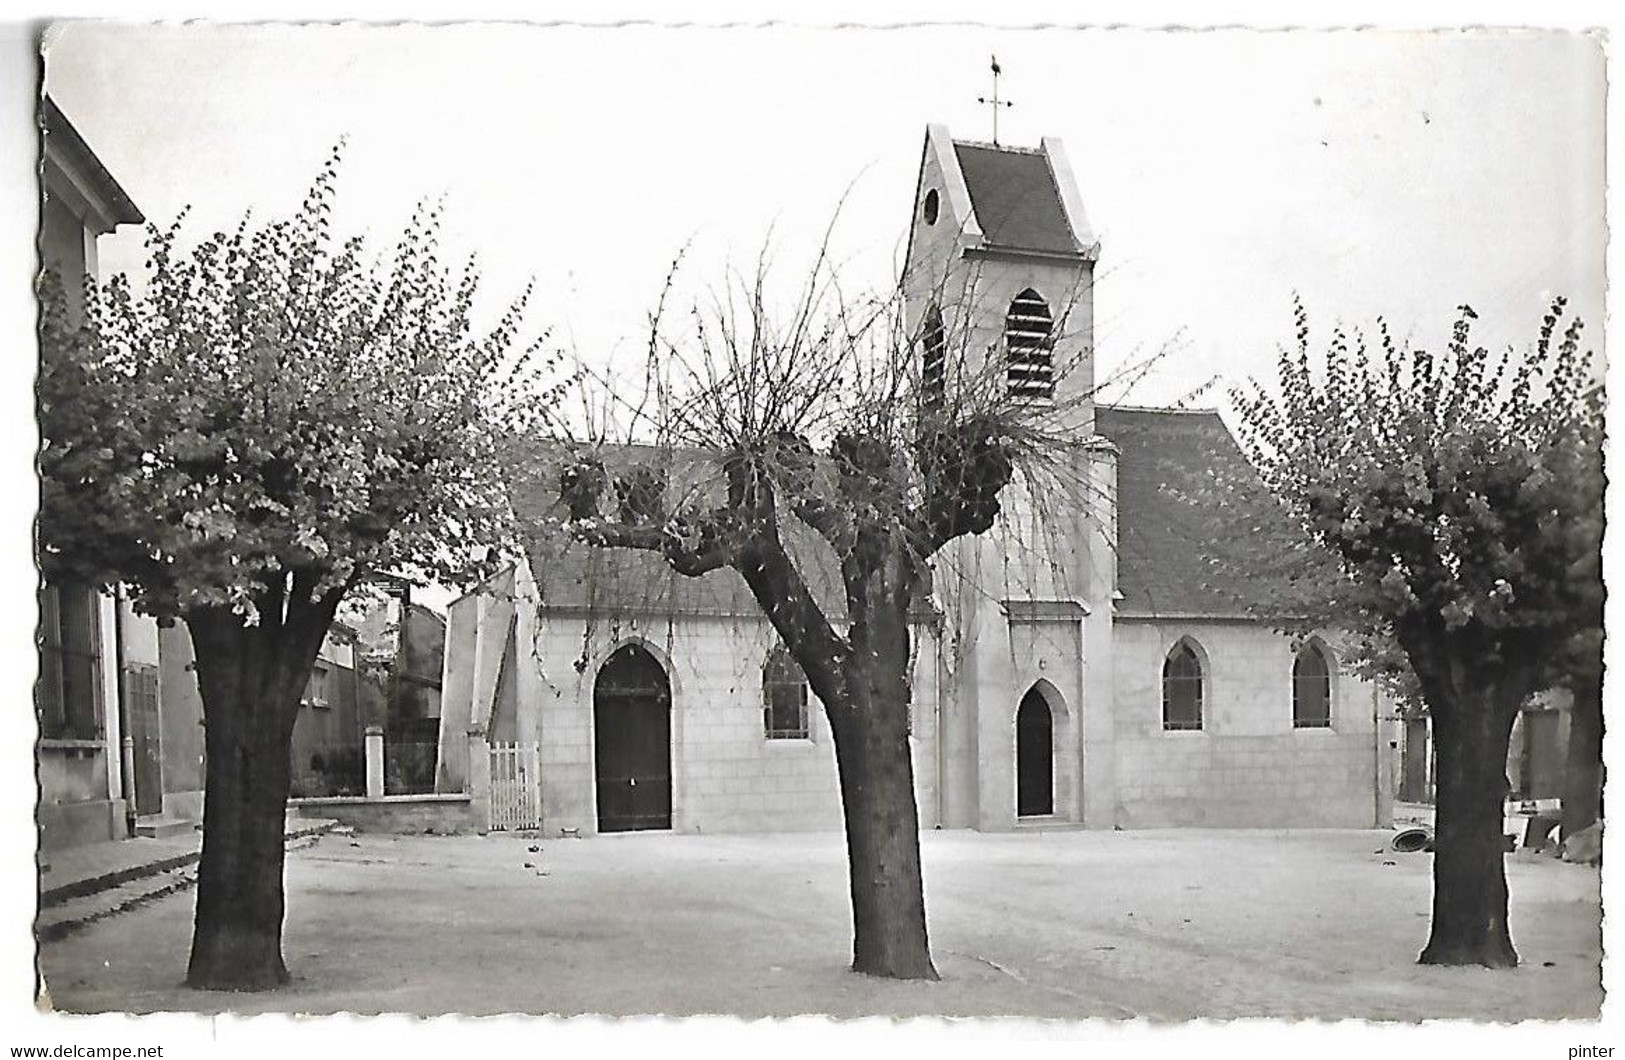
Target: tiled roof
{"type": "Point", "coordinates": [1167, 539]}
{"type": "Point", "coordinates": [571, 575]}
{"type": "Point", "coordinates": [1014, 197]}
{"type": "Point", "coordinates": [61, 135]}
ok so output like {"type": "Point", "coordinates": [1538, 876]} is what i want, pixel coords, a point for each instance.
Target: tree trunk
{"type": "Point", "coordinates": [1583, 771]}
{"type": "Point", "coordinates": [1469, 846]}
{"type": "Point", "coordinates": [864, 686]}
{"type": "Point", "coordinates": [877, 774]}
{"type": "Point", "coordinates": [250, 680]}
{"type": "Point", "coordinates": [882, 840]}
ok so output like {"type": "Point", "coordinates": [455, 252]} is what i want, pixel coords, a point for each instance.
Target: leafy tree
{"type": "Point", "coordinates": [1583, 770]}
{"type": "Point", "coordinates": [1453, 508]}
{"type": "Point", "coordinates": [267, 419]}
{"type": "Point", "coordinates": [799, 448]}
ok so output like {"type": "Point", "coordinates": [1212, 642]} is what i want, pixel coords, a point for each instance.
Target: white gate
{"type": "Point", "coordinates": [516, 787]}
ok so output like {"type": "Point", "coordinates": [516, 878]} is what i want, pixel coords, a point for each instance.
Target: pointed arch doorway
{"type": "Point", "coordinates": [631, 713]}
{"type": "Point", "coordinates": [1035, 756]}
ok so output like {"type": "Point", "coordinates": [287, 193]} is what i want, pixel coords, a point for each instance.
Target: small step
{"type": "Point", "coordinates": [68, 907]}
{"type": "Point", "coordinates": [1047, 823]}
{"type": "Point", "coordinates": [295, 826]}
{"type": "Point", "coordinates": [64, 917]}
{"type": "Point", "coordinates": [158, 826]}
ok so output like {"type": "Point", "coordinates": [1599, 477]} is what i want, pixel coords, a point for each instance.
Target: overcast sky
{"type": "Point", "coordinates": [1433, 169]}
{"type": "Point", "coordinates": [1372, 172]}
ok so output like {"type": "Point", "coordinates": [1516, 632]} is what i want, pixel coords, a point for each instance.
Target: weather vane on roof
{"type": "Point", "coordinates": [995, 102]}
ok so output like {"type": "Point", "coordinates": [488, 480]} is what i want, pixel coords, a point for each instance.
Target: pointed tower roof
{"type": "Point", "coordinates": [1025, 199]}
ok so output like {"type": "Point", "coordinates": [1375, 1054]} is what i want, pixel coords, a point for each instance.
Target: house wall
{"type": "Point", "coordinates": [1537, 752]}
{"type": "Point", "coordinates": [79, 792]}
{"type": "Point", "coordinates": [180, 707]}
{"type": "Point", "coordinates": [64, 245]}
{"type": "Point", "coordinates": [331, 727]}
{"type": "Point", "coordinates": [726, 775]}
{"type": "Point", "coordinates": [457, 691]}
{"type": "Point", "coordinates": [80, 781]}
{"type": "Point", "coordinates": [419, 664]}
{"type": "Point", "coordinates": [1247, 766]}
{"type": "Point", "coordinates": [74, 807]}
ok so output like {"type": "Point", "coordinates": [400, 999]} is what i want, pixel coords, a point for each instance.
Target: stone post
{"type": "Point", "coordinates": [1384, 739]}
{"type": "Point", "coordinates": [479, 779]}
{"type": "Point", "coordinates": [375, 761]}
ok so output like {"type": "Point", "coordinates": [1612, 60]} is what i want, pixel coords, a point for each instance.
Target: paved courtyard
{"type": "Point", "coordinates": [1170, 925]}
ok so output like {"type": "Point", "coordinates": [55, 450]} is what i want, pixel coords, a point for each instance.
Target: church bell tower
{"type": "Point", "coordinates": [999, 278]}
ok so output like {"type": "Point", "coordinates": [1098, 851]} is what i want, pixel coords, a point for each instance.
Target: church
{"type": "Point", "coordinates": [1081, 665]}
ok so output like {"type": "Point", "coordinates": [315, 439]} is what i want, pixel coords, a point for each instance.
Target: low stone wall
{"type": "Point", "coordinates": [71, 824]}
{"type": "Point", "coordinates": [184, 805]}
{"type": "Point", "coordinates": [398, 814]}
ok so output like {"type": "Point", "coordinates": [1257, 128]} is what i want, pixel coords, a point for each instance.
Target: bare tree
{"type": "Point", "coordinates": [828, 454]}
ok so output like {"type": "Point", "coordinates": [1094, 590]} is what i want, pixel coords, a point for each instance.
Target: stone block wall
{"type": "Point", "coordinates": [727, 776]}
{"type": "Point", "coordinates": [1248, 766]}
{"type": "Point", "coordinates": [398, 814]}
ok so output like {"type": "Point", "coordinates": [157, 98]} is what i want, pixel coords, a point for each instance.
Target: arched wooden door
{"type": "Point", "coordinates": [1035, 757]}
{"type": "Point", "coordinates": [631, 713]}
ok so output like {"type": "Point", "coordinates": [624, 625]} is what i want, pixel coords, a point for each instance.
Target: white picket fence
{"type": "Point", "coordinates": [516, 787]}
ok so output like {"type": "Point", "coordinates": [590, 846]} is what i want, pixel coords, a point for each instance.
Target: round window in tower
{"type": "Point", "coordinates": [931, 207]}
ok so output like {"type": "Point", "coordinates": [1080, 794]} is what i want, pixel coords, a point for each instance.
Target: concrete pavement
{"type": "Point", "coordinates": [83, 884]}
{"type": "Point", "coordinates": [1171, 925]}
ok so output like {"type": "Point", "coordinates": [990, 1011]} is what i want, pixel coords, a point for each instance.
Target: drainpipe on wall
{"type": "Point", "coordinates": [126, 780]}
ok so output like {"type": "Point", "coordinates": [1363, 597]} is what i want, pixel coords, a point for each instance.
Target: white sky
{"type": "Point", "coordinates": [588, 157]}
{"type": "Point", "coordinates": [1373, 172]}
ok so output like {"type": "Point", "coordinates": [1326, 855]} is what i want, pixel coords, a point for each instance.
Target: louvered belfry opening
{"type": "Point", "coordinates": [1029, 338]}
{"type": "Point", "coordinates": [934, 361]}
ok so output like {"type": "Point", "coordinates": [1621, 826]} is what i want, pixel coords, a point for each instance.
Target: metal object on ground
{"type": "Point", "coordinates": [1412, 840]}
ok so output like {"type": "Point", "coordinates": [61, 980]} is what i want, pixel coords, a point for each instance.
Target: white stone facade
{"type": "Point", "coordinates": [1247, 766]}
{"type": "Point", "coordinates": [1077, 596]}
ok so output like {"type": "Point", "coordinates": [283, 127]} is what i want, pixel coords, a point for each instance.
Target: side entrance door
{"type": "Point", "coordinates": [146, 734]}
{"type": "Point", "coordinates": [1035, 757]}
{"type": "Point", "coordinates": [631, 709]}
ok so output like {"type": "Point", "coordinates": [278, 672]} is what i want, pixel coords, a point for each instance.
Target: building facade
{"type": "Point", "coordinates": [1079, 665]}
{"type": "Point", "coordinates": [121, 744]}
{"type": "Point", "coordinates": [94, 652]}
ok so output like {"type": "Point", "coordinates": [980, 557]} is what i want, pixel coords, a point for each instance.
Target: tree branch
{"type": "Point", "coordinates": [964, 467]}
{"type": "Point", "coordinates": [796, 473]}
{"type": "Point", "coordinates": [704, 549]}
{"type": "Point", "coordinates": [789, 605]}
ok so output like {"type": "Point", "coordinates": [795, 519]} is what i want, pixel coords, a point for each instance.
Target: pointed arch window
{"type": "Point", "coordinates": [1182, 689]}
{"type": "Point", "coordinates": [933, 360]}
{"type": "Point", "coordinates": [1029, 339]}
{"type": "Point", "coordinates": [1311, 689]}
{"type": "Point", "coordinates": [784, 697]}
